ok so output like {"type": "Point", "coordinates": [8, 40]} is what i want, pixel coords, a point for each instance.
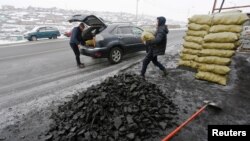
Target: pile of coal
{"type": "Point", "coordinates": [123, 107]}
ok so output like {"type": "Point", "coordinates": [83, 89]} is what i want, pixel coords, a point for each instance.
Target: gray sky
{"type": "Point", "coordinates": [173, 9]}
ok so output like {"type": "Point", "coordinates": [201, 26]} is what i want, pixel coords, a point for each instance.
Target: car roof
{"type": "Point", "coordinates": [44, 27]}
{"type": "Point", "coordinates": [121, 24]}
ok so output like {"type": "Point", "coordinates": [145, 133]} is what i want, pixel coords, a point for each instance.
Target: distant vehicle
{"type": "Point", "coordinates": [109, 41]}
{"type": "Point", "coordinates": [67, 33]}
{"type": "Point", "coordinates": [42, 32]}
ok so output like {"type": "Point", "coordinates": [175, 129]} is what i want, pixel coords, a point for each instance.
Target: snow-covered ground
{"type": "Point", "coordinates": [5, 42]}
{"type": "Point", "coordinates": [2, 42]}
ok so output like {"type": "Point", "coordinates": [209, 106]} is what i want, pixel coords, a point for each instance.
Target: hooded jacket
{"type": "Point", "coordinates": [158, 45]}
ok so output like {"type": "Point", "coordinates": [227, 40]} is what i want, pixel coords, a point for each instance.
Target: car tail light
{"type": "Point", "coordinates": [98, 54]}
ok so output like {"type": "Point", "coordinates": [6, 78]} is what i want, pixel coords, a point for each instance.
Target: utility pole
{"type": "Point", "coordinates": [137, 2]}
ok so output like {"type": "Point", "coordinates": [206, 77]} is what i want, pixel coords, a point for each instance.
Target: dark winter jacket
{"type": "Point", "coordinates": [158, 45]}
{"type": "Point", "coordinates": [76, 36]}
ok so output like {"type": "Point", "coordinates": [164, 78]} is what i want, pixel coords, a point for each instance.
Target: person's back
{"type": "Point", "coordinates": [164, 29]}
{"type": "Point", "coordinates": [75, 36]}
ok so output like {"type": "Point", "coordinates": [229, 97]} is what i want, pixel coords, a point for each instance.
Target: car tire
{"type": "Point", "coordinates": [115, 55]}
{"type": "Point", "coordinates": [33, 38]}
{"type": "Point", "coordinates": [54, 37]}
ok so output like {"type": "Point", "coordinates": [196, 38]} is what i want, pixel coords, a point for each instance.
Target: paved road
{"type": "Point", "coordinates": [29, 70]}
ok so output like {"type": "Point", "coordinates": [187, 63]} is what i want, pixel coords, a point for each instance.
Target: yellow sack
{"type": "Point", "coordinates": [238, 35]}
{"type": "Point", "coordinates": [226, 28]}
{"type": "Point", "coordinates": [216, 52]}
{"type": "Point", "coordinates": [213, 60]}
{"type": "Point", "coordinates": [191, 64]}
{"type": "Point", "coordinates": [231, 18]}
{"type": "Point", "coordinates": [198, 27]}
{"type": "Point", "coordinates": [208, 76]}
{"type": "Point", "coordinates": [147, 36]}
{"type": "Point", "coordinates": [190, 51]}
{"type": "Point", "coordinates": [218, 69]}
{"type": "Point", "coordinates": [223, 37]}
{"type": "Point", "coordinates": [192, 45]}
{"type": "Point", "coordinates": [227, 46]}
{"type": "Point", "coordinates": [201, 19]}
{"type": "Point", "coordinates": [237, 43]}
{"type": "Point", "coordinates": [90, 43]}
{"type": "Point", "coordinates": [198, 40]}
{"type": "Point", "coordinates": [197, 33]}
{"type": "Point", "coordinates": [188, 56]}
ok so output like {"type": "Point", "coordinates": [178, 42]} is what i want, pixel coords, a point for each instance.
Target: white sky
{"type": "Point", "coordinates": [173, 9]}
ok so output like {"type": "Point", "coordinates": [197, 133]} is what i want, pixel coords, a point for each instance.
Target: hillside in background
{"type": "Point", "coordinates": [14, 22]}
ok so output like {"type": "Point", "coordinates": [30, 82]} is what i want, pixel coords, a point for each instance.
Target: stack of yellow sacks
{"type": "Point", "coordinates": [198, 27]}
{"type": "Point", "coordinates": [219, 46]}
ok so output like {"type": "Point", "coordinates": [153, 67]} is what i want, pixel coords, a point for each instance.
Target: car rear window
{"type": "Point", "coordinates": [50, 29]}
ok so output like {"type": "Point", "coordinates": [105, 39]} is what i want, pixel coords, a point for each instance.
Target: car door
{"type": "Point", "coordinates": [41, 33]}
{"type": "Point", "coordinates": [49, 32]}
{"type": "Point", "coordinates": [137, 43]}
{"type": "Point", "coordinates": [126, 38]}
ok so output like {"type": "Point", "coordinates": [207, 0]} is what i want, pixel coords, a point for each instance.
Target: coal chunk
{"type": "Point", "coordinates": [117, 122]}
{"type": "Point", "coordinates": [48, 137]}
{"type": "Point", "coordinates": [163, 125]}
{"type": "Point", "coordinates": [130, 136]}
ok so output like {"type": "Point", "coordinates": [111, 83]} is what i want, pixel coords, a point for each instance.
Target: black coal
{"type": "Point", "coordinates": [123, 107]}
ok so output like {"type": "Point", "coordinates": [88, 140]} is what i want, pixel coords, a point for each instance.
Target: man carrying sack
{"type": "Point", "coordinates": [156, 46]}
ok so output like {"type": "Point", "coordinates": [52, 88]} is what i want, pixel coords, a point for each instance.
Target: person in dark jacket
{"type": "Point", "coordinates": [75, 40]}
{"type": "Point", "coordinates": [156, 47]}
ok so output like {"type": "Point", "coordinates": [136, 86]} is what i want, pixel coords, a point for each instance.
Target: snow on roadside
{"type": "Point", "coordinates": [6, 42]}
{"type": "Point", "coordinates": [3, 42]}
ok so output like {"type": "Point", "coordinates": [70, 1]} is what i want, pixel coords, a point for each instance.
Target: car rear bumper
{"type": "Point", "coordinates": [95, 52]}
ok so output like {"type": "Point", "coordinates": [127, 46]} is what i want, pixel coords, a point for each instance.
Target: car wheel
{"type": "Point", "coordinates": [33, 38]}
{"type": "Point", "coordinates": [115, 55]}
{"type": "Point", "coordinates": [54, 37]}
{"type": "Point", "coordinates": [50, 37]}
